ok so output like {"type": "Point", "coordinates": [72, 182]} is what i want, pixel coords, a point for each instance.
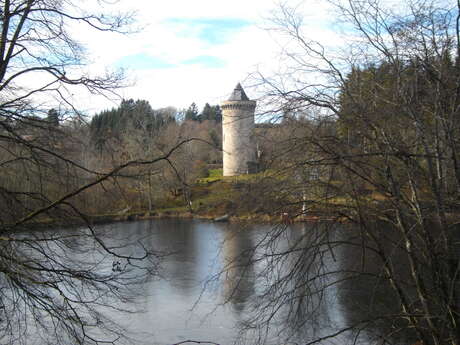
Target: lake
{"type": "Point", "coordinates": [228, 283]}
{"type": "Point", "coordinates": [220, 278]}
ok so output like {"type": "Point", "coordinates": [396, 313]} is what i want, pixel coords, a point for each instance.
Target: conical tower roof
{"type": "Point", "coordinates": [238, 94]}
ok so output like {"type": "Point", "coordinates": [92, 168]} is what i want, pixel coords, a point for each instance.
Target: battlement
{"type": "Point", "coordinates": [246, 105]}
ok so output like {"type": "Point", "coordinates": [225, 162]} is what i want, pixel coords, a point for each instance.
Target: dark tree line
{"type": "Point", "coordinates": [397, 99]}
{"type": "Point", "coordinates": [209, 113]}
{"type": "Point", "coordinates": [139, 115]}
{"type": "Point", "coordinates": [131, 114]}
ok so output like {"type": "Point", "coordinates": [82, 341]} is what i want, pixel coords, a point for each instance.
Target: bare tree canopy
{"type": "Point", "coordinates": [56, 284]}
{"type": "Point", "coordinates": [370, 135]}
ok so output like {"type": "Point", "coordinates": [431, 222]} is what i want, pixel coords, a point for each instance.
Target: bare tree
{"type": "Point", "coordinates": [56, 285]}
{"type": "Point", "coordinates": [383, 135]}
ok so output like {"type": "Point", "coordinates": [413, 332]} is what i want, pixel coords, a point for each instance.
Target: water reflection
{"type": "Point", "coordinates": [180, 239]}
{"type": "Point", "coordinates": [238, 276]}
{"type": "Point", "coordinates": [308, 313]}
{"type": "Point", "coordinates": [294, 302]}
{"type": "Point", "coordinates": [366, 296]}
{"type": "Point", "coordinates": [292, 277]}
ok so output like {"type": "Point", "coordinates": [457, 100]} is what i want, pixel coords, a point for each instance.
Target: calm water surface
{"type": "Point", "coordinates": [191, 299]}
{"type": "Point", "coordinates": [196, 297]}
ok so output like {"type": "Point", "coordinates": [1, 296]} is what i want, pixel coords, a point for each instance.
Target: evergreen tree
{"type": "Point", "coordinates": [211, 113]}
{"type": "Point", "coordinates": [217, 113]}
{"type": "Point", "coordinates": [53, 117]}
{"type": "Point", "coordinates": [207, 113]}
{"type": "Point", "coordinates": [131, 114]}
{"type": "Point", "coordinates": [192, 113]}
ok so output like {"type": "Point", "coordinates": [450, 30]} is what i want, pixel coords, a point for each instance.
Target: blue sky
{"type": "Point", "coordinates": [189, 51]}
{"type": "Point", "coordinates": [143, 61]}
{"type": "Point", "coordinates": [210, 30]}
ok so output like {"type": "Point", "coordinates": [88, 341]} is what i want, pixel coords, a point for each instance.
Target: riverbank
{"type": "Point", "coordinates": [247, 218]}
{"type": "Point", "coordinates": [165, 214]}
{"type": "Point", "coordinates": [249, 198]}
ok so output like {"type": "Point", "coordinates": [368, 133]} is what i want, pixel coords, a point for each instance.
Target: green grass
{"type": "Point", "coordinates": [214, 175]}
{"type": "Point", "coordinates": [215, 172]}
{"type": "Point", "coordinates": [209, 199]}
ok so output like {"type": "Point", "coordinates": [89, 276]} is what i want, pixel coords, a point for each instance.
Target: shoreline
{"type": "Point", "coordinates": [138, 216]}
{"type": "Point", "coordinates": [283, 218]}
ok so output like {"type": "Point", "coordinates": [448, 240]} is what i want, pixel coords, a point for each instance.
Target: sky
{"type": "Point", "coordinates": [191, 51]}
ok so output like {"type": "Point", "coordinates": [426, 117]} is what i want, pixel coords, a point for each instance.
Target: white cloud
{"type": "Point", "coordinates": [242, 51]}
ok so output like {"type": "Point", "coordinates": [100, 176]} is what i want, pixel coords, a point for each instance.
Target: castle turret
{"type": "Point", "coordinates": [239, 149]}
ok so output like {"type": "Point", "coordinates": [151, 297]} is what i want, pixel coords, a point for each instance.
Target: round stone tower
{"type": "Point", "coordinates": [239, 147]}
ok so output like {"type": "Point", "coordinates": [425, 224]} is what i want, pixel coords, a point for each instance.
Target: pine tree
{"type": "Point", "coordinates": [192, 113]}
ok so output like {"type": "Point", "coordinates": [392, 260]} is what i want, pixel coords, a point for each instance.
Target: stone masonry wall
{"type": "Point", "coordinates": [238, 136]}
